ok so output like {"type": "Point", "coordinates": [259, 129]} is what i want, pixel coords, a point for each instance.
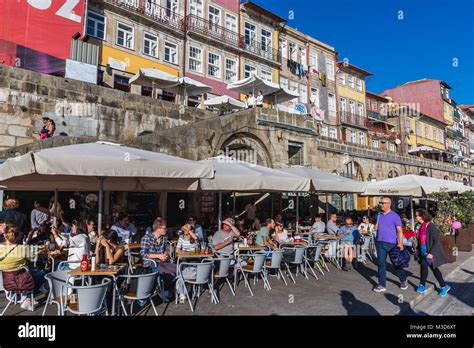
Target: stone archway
{"type": "Point", "coordinates": [246, 147]}
{"type": "Point", "coordinates": [392, 174]}
{"type": "Point", "coordinates": [423, 173]}
{"type": "Point", "coordinates": [446, 177]}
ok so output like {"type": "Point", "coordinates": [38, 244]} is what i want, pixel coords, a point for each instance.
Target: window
{"type": "Point", "coordinates": [283, 47]}
{"type": "Point", "coordinates": [444, 107]}
{"type": "Point", "coordinates": [249, 34]}
{"type": "Point", "coordinates": [360, 109]}
{"type": "Point", "coordinates": [295, 153]}
{"type": "Point", "coordinates": [359, 85]}
{"type": "Point", "coordinates": [333, 133]}
{"type": "Point", "coordinates": [342, 104]}
{"type": "Point", "coordinates": [361, 138]}
{"type": "Point", "coordinates": [375, 143]}
{"type": "Point", "coordinates": [121, 83]}
{"type": "Point", "coordinates": [332, 104]}
{"type": "Point", "coordinates": [313, 59]}
{"type": "Point", "coordinates": [171, 7]}
{"type": "Point", "coordinates": [231, 22]}
{"type": "Point", "coordinates": [249, 70]}
{"type": "Point", "coordinates": [435, 135]}
{"type": "Point", "coordinates": [374, 105]}
{"type": "Point", "coordinates": [266, 75]}
{"type": "Point", "coordinates": [342, 78]}
{"type": "Point", "coordinates": [352, 107]}
{"type": "Point", "coordinates": [171, 52]}
{"type": "Point", "coordinates": [150, 44]}
{"type": "Point", "coordinates": [195, 8]}
{"type": "Point", "coordinates": [195, 59]}
{"type": "Point", "coordinates": [353, 136]}
{"type": "Point", "coordinates": [314, 96]}
{"type": "Point", "coordinates": [383, 109]}
{"type": "Point", "coordinates": [293, 86]}
{"type": "Point", "coordinates": [95, 25]}
{"type": "Point", "coordinates": [303, 94]}
{"type": "Point", "coordinates": [427, 133]}
{"type": "Point", "coordinates": [267, 38]}
{"type": "Point", "coordinates": [230, 70]}
{"type": "Point", "coordinates": [391, 147]}
{"type": "Point", "coordinates": [293, 51]}
{"type": "Point", "coordinates": [214, 65]}
{"type": "Point", "coordinates": [284, 82]}
{"type": "Point", "coordinates": [125, 36]}
{"type": "Point", "coordinates": [330, 68]}
{"type": "Point", "coordinates": [441, 137]}
{"type": "Point", "coordinates": [351, 81]}
{"type": "Point", "coordinates": [214, 17]}
{"type": "Point", "coordinates": [303, 55]}
{"type": "Point", "coordinates": [325, 131]}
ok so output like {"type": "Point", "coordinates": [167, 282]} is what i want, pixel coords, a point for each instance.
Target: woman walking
{"type": "Point", "coordinates": [430, 252]}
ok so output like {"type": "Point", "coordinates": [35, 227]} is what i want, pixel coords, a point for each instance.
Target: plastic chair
{"type": "Point", "coordinates": [55, 281]}
{"type": "Point", "coordinates": [223, 271]}
{"type": "Point", "coordinates": [204, 276]}
{"type": "Point", "coordinates": [298, 261]}
{"type": "Point", "coordinates": [11, 296]}
{"type": "Point", "coordinates": [275, 264]}
{"type": "Point", "coordinates": [90, 299]}
{"type": "Point", "coordinates": [256, 268]}
{"type": "Point", "coordinates": [146, 285]}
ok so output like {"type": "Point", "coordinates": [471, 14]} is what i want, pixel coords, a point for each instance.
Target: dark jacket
{"type": "Point", "coordinates": [433, 246]}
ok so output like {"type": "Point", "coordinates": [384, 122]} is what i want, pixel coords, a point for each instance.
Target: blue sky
{"type": "Point", "coordinates": [432, 34]}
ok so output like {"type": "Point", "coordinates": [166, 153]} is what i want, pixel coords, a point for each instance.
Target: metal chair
{"type": "Point", "coordinates": [314, 258]}
{"type": "Point", "coordinates": [90, 299]}
{"type": "Point", "coordinates": [275, 264]}
{"type": "Point", "coordinates": [11, 296]}
{"type": "Point", "coordinates": [223, 271]}
{"type": "Point", "coordinates": [256, 268]}
{"type": "Point", "coordinates": [146, 285]}
{"type": "Point", "coordinates": [204, 276]}
{"type": "Point", "coordinates": [65, 265]}
{"type": "Point", "coordinates": [172, 246]}
{"type": "Point", "coordinates": [55, 281]}
{"type": "Point", "coordinates": [365, 249]}
{"type": "Point", "coordinates": [298, 261]}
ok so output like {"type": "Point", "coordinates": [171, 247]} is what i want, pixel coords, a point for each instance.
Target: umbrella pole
{"type": "Point", "coordinates": [327, 209]}
{"type": "Point", "coordinates": [219, 212]}
{"type": "Point", "coordinates": [233, 206]}
{"type": "Point", "coordinates": [101, 206]}
{"type": "Point", "coordinates": [55, 220]}
{"type": "Point", "coordinates": [271, 209]}
{"type": "Point", "coordinates": [297, 212]}
{"type": "Point", "coordinates": [412, 214]}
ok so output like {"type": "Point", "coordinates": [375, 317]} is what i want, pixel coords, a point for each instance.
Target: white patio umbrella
{"type": "Point", "coordinates": [237, 176]}
{"type": "Point", "coordinates": [151, 77]}
{"type": "Point", "coordinates": [101, 166]}
{"type": "Point", "coordinates": [282, 95]}
{"type": "Point", "coordinates": [411, 186]}
{"type": "Point", "coordinates": [226, 100]}
{"type": "Point", "coordinates": [253, 83]}
{"type": "Point", "coordinates": [187, 86]}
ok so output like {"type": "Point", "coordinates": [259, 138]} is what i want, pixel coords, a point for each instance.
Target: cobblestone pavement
{"type": "Point", "coordinates": [335, 293]}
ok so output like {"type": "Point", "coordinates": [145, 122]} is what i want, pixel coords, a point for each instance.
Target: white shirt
{"type": "Point", "coordinates": [78, 244]}
{"type": "Point", "coordinates": [283, 237]}
{"type": "Point", "coordinates": [318, 227]}
{"type": "Point", "coordinates": [251, 101]}
{"type": "Point", "coordinates": [260, 100]}
{"type": "Point", "coordinates": [124, 233]}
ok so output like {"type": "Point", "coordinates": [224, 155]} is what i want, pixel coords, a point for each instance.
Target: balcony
{"type": "Point", "coordinates": [458, 134]}
{"type": "Point", "coordinates": [456, 115]}
{"type": "Point", "coordinates": [218, 33]}
{"type": "Point", "coordinates": [347, 118]}
{"type": "Point", "coordinates": [261, 50]}
{"type": "Point", "coordinates": [152, 11]}
{"type": "Point", "coordinates": [374, 115]}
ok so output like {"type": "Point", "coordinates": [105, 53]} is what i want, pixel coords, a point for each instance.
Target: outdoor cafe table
{"type": "Point", "coordinates": [190, 255]}
{"type": "Point", "coordinates": [132, 246]}
{"type": "Point", "coordinates": [53, 256]}
{"type": "Point", "coordinates": [109, 273]}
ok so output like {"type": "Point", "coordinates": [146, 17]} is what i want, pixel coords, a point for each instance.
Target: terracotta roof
{"type": "Point", "coordinates": [249, 4]}
{"type": "Point", "coordinates": [370, 94]}
{"type": "Point", "coordinates": [355, 68]}
{"type": "Point", "coordinates": [423, 81]}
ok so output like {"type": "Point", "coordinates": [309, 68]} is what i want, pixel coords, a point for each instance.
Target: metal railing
{"type": "Point", "coordinates": [262, 50]}
{"type": "Point", "coordinates": [376, 116]}
{"type": "Point", "coordinates": [202, 26]}
{"type": "Point", "coordinates": [153, 11]}
{"type": "Point", "coordinates": [346, 117]}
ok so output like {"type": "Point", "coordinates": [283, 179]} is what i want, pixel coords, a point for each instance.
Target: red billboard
{"type": "Point", "coordinates": [36, 34]}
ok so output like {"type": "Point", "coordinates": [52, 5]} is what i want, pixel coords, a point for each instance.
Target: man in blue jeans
{"type": "Point", "coordinates": [389, 234]}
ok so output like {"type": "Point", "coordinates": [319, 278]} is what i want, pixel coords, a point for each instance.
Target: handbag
{"type": "Point", "coordinates": [400, 258]}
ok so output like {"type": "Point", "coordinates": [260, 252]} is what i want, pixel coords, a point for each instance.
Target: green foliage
{"type": "Point", "coordinates": [224, 108]}
{"type": "Point", "coordinates": [450, 208]}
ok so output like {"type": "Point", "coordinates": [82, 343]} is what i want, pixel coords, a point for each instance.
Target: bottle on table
{"type": "Point", "coordinates": [84, 263]}
{"type": "Point", "coordinates": [93, 263]}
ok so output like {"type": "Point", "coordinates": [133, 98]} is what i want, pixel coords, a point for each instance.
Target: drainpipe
{"type": "Point", "coordinates": [185, 30]}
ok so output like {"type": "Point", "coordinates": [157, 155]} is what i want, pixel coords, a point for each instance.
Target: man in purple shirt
{"type": "Point", "coordinates": [389, 234]}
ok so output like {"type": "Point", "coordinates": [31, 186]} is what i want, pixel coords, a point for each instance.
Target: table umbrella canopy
{"type": "Point", "coordinates": [189, 86]}
{"type": "Point", "coordinates": [411, 186]}
{"type": "Point", "coordinates": [226, 100]}
{"type": "Point", "coordinates": [282, 95]}
{"type": "Point", "coordinates": [78, 167]}
{"type": "Point", "coordinates": [151, 77]}
{"type": "Point", "coordinates": [233, 175]}
{"type": "Point", "coordinates": [253, 84]}
{"type": "Point", "coordinates": [326, 182]}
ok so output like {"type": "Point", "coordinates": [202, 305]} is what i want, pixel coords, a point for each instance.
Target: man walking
{"type": "Point", "coordinates": [389, 233]}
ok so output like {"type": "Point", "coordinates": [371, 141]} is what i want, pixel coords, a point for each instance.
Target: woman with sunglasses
{"type": "Point", "coordinates": [430, 252]}
{"type": "Point", "coordinates": [281, 234]}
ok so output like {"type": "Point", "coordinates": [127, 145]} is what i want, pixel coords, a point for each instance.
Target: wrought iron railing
{"type": "Point", "coordinates": [376, 116]}
{"type": "Point", "coordinates": [152, 10]}
{"type": "Point", "coordinates": [200, 25]}
{"type": "Point", "coordinates": [261, 50]}
{"type": "Point", "coordinates": [349, 118]}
